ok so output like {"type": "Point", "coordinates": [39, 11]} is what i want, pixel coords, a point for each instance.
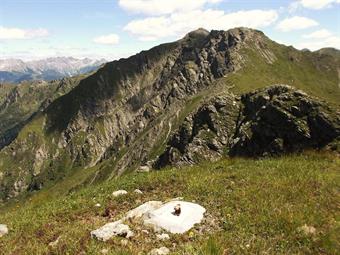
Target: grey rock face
{"type": "Point", "coordinates": [281, 119]}
{"type": "Point", "coordinates": [204, 135]}
{"type": "Point", "coordinates": [270, 121]}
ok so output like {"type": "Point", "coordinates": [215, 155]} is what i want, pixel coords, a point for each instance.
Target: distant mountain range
{"type": "Point", "coordinates": [17, 70]}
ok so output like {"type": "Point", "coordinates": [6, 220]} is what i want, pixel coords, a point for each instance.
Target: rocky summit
{"type": "Point", "coordinates": [208, 95]}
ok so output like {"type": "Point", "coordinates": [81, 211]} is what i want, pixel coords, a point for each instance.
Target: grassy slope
{"type": "Point", "coordinates": [315, 74]}
{"type": "Point", "coordinates": [259, 205]}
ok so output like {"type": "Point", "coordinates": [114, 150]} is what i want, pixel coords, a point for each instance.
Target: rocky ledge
{"type": "Point", "coordinates": [271, 121]}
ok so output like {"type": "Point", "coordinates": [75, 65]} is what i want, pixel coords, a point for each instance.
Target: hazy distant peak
{"type": "Point", "coordinates": [16, 70]}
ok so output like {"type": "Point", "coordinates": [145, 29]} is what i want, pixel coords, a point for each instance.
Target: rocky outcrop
{"type": "Point", "coordinates": [204, 135]}
{"type": "Point", "coordinates": [271, 121]}
{"type": "Point", "coordinates": [281, 119]}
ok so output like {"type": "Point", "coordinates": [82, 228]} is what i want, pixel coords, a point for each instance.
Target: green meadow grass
{"type": "Point", "coordinates": [258, 205]}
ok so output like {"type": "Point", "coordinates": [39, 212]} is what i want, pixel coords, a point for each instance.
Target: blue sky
{"type": "Point", "coordinates": [33, 29]}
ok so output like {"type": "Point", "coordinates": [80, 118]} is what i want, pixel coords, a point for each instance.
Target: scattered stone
{"type": "Point", "coordinates": [54, 243]}
{"type": "Point", "coordinates": [160, 251]}
{"type": "Point", "coordinates": [143, 209]}
{"type": "Point", "coordinates": [163, 236]}
{"type": "Point", "coordinates": [307, 230]}
{"type": "Point", "coordinates": [119, 193]}
{"type": "Point", "coordinates": [124, 242]}
{"type": "Point", "coordinates": [104, 251]}
{"type": "Point", "coordinates": [138, 191]}
{"type": "Point", "coordinates": [177, 198]}
{"type": "Point", "coordinates": [144, 231]}
{"type": "Point", "coordinates": [112, 229]}
{"type": "Point", "coordinates": [3, 230]}
{"type": "Point", "coordinates": [165, 218]}
{"type": "Point", "coordinates": [97, 205]}
{"type": "Point", "coordinates": [143, 169]}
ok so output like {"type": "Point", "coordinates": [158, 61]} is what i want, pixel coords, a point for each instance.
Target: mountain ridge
{"type": "Point", "coordinates": [104, 123]}
{"type": "Point", "coordinates": [52, 68]}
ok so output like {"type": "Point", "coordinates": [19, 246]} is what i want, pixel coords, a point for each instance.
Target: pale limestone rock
{"type": "Point", "coordinates": [3, 230]}
{"type": "Point", "coordinates": [164, 218]}
{"type": "Point", "coordinates": [104, 251]}
{"type": "Point", "coordinates": [160, 251]}
{"type": "Point", "coordinates": [143, 209]}
{"type": "Point", "coordinates": [307, 230]}
{"type": "Point", "coordinates": [143, 169]}
{"type": "Point", "coordinates": [124, 242]}
{"type": "Point", "coordinates": [119, 193]}
{"type": "Point", "coordinates": [138, 191]}
{"type": "Point", "coordinates": [163, 236]}
{"type": "Point", "coordinates": [112, 229]}
{"type": "Point", "coordinates": [54, 243]}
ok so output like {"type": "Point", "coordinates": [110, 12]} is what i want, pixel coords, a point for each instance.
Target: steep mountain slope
{"type": "Point", "coordinates": [122, 116]}
{"type": "Point", "coordinates": [16, 70]}
{"type": "Point", "coordinates": [20, 103]}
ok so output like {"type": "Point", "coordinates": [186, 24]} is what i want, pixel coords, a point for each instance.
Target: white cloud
{"type": "Point", "coordinates": [321, 38]}
{"type": "Point", "coordinates": [17, 33]}
{"type": "Point", "coordinates": [178, 24]}
{"type": "Point", "coordinates": [319, 34]}
{"type": "Point", "coordinates": [107, 39]}
{"type": "Point", "coordinates": [161, 7]}
{"type": "Point", "coordinates": [318, 4]}
{"type": "Point", "coordinates": [332, 41]}
{"type": "Point", "coordinates": [296, 23]}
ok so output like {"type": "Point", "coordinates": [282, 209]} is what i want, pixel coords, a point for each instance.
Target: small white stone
{"type": "Point", "coordinates": [160, 251]}
{"type": "Point", "coordinates": [177, 198]}
{"type": "Point", "coordinates": [163, 236]}
{"type": "Point", "coordinates": [129, 234]}
{"type": "Point", "coordinates": [97, 205]}
{"type": "Point", "coordinates": [112, 229]}
{"type": "Point", "coordinates": [104, 251]}
{"type": "Point", "coordinates": [119, 193]}
{"type": "Point", "coordinates": [307, 230]}
{"type": "Point", "coordinates": [124, 242]}
{"type": "Point", "coordinates": [143, 169]}
{"type": "Point", "coordinates": [138, 191]}
{"type": "Point", "coordinates": [54, 243]}
{"type": "Point", "coordinates": [3, 230]}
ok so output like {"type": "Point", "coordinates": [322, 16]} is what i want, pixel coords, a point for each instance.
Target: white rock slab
{"type": "Point", "coordinates": [143, 209]}
{"type": "Point", "coordinates": [119, 193]}
{"type": "Point", "coordinates": [112, 229]}
{"type": "Point", "coordinates": [164, 218]}
{"type": "Point", "coordinates": [160, 251]}
{"type": "Point", "coordinates": [3, 230]}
